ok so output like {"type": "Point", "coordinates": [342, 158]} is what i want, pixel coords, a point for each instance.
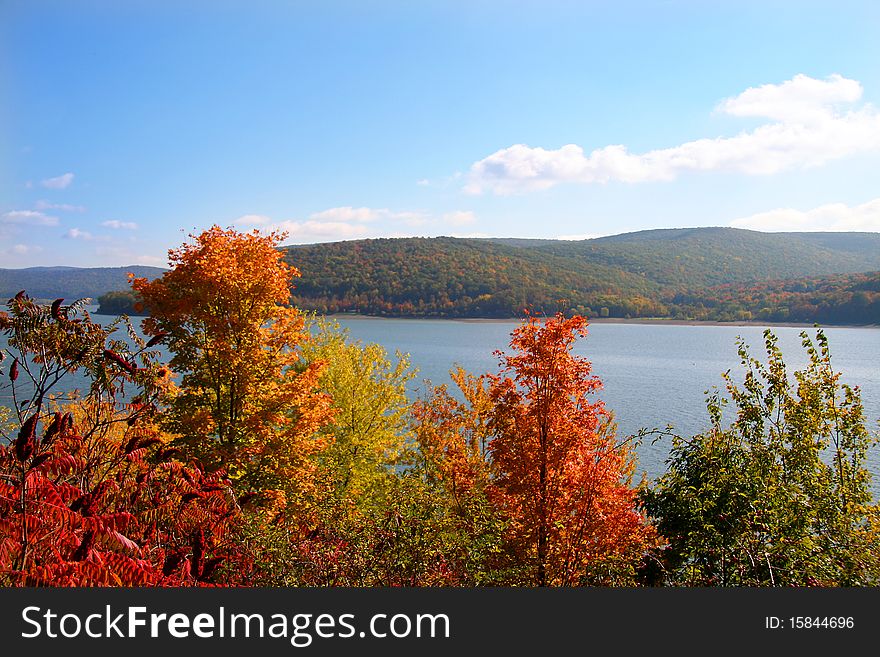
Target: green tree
{"type": "Point", "coordinates": [781, 496]}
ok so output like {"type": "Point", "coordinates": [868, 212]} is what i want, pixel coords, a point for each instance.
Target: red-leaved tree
{"type": "Point", "coordinates": [561, 479]}
{"type": "Point", "coordinates": [90, 491]}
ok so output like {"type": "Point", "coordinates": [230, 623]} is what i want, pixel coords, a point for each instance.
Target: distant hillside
{"type": "Point", "coordinates": [446, 276]}
{"type": "Point", "coordinates": [69, 282]}
{"type": "Point", "coordinates": [698, 257]}
{"type": "Point", "coordinates": [721, 274]}
{"type": "Point", "coordinates": [661, 273]}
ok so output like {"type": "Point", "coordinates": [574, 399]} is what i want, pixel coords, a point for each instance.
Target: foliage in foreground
{"type": "Point", "coordinates": [781, 496]}
{"type": "Point", "coordinates": [90, 491]}
{"type": "Point", "coordinates": [288, 455]}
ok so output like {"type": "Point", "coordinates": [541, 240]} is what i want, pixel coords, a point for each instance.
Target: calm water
{"type": "Point", "coordinates": [652, 375]}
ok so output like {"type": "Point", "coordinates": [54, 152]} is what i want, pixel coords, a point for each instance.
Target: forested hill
{"type": "Point", "coordinates": [721, 274]}
{"type": "Point", "coordinates": [697, 273]}
{"type": "Point", "coordinates": [698, 257]}
{"type": "Point", "coordinates": [70, 282]}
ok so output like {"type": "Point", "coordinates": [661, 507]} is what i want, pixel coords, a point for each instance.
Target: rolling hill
{"type": "Point", "coordinates": [694, 273]}
{"type": "Point", "coordinates": [664, 273]}
{"type": "Point", "coordinates": [70, 282]}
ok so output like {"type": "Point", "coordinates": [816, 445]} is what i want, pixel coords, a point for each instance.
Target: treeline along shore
{"type": "Point", "coordinates": [697, 274]}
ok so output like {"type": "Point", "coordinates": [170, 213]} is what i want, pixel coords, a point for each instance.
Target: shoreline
{"type": "Point", "coordinates": [650, 321]}
{"type": "Point", "coordinates": [646, 321]}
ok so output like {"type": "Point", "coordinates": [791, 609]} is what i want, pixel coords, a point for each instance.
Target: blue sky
{"type": "Point", "coordinates": [123, 128]}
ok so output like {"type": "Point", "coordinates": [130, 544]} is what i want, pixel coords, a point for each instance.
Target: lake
{"type": "Point", "coordinates": [653, 375]}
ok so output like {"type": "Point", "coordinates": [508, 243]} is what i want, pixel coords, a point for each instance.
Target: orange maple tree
{"type": "Point", "coordinates": [560, 478]}
{"type": "Point", "coordinates": [453, 437]}
{"type": "Point", "coordinates": [244, 404]}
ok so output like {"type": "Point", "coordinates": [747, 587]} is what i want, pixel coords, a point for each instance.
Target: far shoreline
{"type": "Point", "coordinates": [647, 321]}
{"type": "Point", "coordinates": [650, 321]}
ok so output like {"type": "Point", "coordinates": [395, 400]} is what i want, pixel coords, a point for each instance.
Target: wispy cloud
{"type": "Point", "coordinates": [24, 249]}
{"type": "Point", "coordinates": [830, 217]}
{"type": "Point", "coordinates": [59, 182]}
{"type": "Point", "coordinates": [64, 207]}
{"type": "Point", "coordinates": [119, 225]}
{"type": "Point", "coordinates": [347, 222]}
{"type": "Point", "coordinates": [807, 128]}
{"type": "Point", "coordinates": [316, 231]}
{"type": "Point", "coordinates": [474, 235]}
{"type": "Point", "coordinates": [78, 234]}
{"type": "Point", "coordinates": [348, 213]}
{"type": "Point", "coordinates": [29, 218]}
{"type": "Point", "coordinates": [124, 255]}
{"type": "Point", "coordinates": [154, 261]}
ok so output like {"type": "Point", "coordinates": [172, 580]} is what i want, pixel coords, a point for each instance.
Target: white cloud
{"type": "Point", "coordinates": [121, 256]}
{"type": "Point", "coordinates": [459, 218]}
{"type": "Point", "coordinates": [408, 217]}
{"type": "Point", "coordinates": [60, 182]}
{"type": "Point", "coordinates": [808, 129]}
{"type": "Point", "coordinates": [155, 261]}
{"type": "Point", "coordinates": [347, 223]}
{"type": "Point", "coordinates": [78, 234]}
{"type": "Point", "coordinates": [65, 207]}
{"type": "Point", "coordinates": [830, 217]}
{"type": "Point", "coordinates": [24, 249]}
{"type": "Point", "coordinates": [348, 213]}
{"type": "Point", "coordinates": [29, 217]}
{"type": "Point", "coordinates": [119, 225]}
{"type": "Point", "coordinates": [476, 235]}
{"type": "Point", "coordinates": [411, 218]}
{"type": "Point", "coordinates": [317, 231]}
{"type": "Point", "coordinates": [800, 99]}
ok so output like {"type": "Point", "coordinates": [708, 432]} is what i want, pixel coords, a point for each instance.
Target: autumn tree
{"type": "Point", "coordinates": [561, 478]}
{"type": "Point", "coordinates": [369, 429]}
{"type": "Point", "coordinates": [451, 459]}
{"type": "Point", "coordinates": [781, 496]}
{"type": "Point", "coordinates": [530, 467]}
{"type": "Point", "coordinates": [90, 491]}
{"type": "Point", "coordinates": [244, 404]}
{"type": "Point", "coordinates": [379, 520]}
